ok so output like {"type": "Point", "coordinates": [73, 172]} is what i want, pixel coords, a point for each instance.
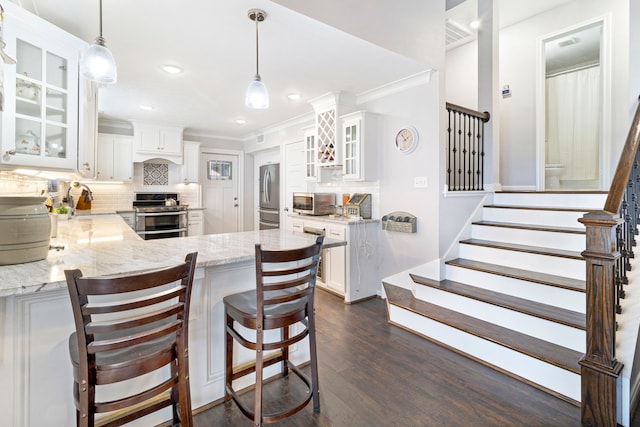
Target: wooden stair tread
{"type": "Point", "coordinates": [554, 354]}
{"type": "Point", "coordinates": [542, 208]}
{"type": "Point", "coordinates": [521, 274]}
{"type": "Point", "coordinates": [524, 248]}
{"type": "Point", "coordinates": [534, 227]}
{"type": "Point", "coordinates": [521, 305]}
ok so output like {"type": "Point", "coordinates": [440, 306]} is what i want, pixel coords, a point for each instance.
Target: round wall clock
{"type": "Point", "coordinates": [407, 139]}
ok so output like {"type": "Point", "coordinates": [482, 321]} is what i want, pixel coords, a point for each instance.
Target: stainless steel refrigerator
{"type": "Point", "coordinates": [269, 196]}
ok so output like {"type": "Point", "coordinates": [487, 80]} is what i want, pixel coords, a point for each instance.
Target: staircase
{"type": "Point", "coordinates": [514, 298]}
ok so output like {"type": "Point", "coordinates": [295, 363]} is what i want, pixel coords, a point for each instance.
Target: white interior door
{"type": "Point", "coordinates": [220, 182]}
{"type": "Point", "coordinates": [294, 177]}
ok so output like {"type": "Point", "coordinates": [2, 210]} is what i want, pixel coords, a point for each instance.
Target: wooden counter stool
{"type": "Point", "coordinates": [128, 326]}
{"type": "Point", "coordinates": [285, 284]}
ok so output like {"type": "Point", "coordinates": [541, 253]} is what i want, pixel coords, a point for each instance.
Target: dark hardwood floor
{"type": "Point", "coordinates": [375, 374]}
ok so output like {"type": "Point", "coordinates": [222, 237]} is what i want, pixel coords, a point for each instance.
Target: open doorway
{"type": "Point", "coordinates": [572, 108]}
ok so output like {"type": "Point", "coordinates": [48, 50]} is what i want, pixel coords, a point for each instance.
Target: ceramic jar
{"type": "Point", "coordinates": [25, 229]}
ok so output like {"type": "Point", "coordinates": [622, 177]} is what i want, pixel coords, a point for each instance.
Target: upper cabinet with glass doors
{"type": "Point", "coordinates": [40, 108]}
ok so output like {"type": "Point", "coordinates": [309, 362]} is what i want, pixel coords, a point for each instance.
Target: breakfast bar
{"type": "Point", "coordinates": [35, 371]}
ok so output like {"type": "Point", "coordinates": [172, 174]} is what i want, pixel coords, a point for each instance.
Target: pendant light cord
{"type": "Point", "coordinates": [100, 18]}
{"type": "Point", "coordinates": [257, 49]}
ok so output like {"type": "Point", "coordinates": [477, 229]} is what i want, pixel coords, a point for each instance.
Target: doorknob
{"type": "Point", "coordinates": [235, 205]}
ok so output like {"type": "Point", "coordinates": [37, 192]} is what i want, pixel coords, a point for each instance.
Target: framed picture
{"type": "Point", "coordinates": [218, 170]}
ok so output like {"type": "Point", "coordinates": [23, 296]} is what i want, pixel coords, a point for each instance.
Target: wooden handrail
{"type": "Point", "coordinates": [468, 111]}
{"type": "Point", "coordinates": [621, 177]}
{"type": "Point", "coordinates": [609, 246]}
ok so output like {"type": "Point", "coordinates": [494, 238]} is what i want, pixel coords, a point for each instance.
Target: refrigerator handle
{"type": "Point", "coordinates": [267, 186]}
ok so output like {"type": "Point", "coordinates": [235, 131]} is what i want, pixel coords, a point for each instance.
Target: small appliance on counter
{"type": "Point", "coordinates": [314, 203]}
{"type": "Point", "coordinates": [359, 205]}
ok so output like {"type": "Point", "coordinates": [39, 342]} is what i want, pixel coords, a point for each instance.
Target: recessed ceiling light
{"type": "Point", "coordinates": [293, 97]}
{"type": "Point", "coordinates": [241, 121]}
{"type": "Point", "coordinates": [474, 24]}
{"type": "Point", "coordinates": [146, 107]}
{"type": "Point", "coordinates": [172, 69]}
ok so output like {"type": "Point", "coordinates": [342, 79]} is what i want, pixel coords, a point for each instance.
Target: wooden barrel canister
{"type": "Point", "coordinates": [24, 229]}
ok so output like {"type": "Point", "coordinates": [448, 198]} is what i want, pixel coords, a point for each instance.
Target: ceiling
{"type": "Point", "coordinates": [213, 41]}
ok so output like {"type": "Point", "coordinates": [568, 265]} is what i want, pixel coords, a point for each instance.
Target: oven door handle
{"type": "Point", "coordinates": [145, 214]}
{"type": "Point", "coordinates": [172, 230]}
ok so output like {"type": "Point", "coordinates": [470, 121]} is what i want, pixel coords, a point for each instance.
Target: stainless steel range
{"type": "Point", "coordinates": [159, 215]}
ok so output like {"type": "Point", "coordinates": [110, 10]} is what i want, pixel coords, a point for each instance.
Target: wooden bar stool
{"type": "Point", "coordinates": [285, 284]}
{"type": "Point", "coordinates": [128, 326]}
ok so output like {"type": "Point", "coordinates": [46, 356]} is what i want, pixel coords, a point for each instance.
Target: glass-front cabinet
{"type": "Point", "coordinates": [360, 132]}
{"type": "Point", "coordinates": [311, 155]}
{"type": "Point", "coordinates": [40, 111]}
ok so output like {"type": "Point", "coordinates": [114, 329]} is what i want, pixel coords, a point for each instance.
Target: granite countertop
{"type": "Point", "coordinates": [105, 244]}
{"type": "Point", "coordinates": [332, 218]}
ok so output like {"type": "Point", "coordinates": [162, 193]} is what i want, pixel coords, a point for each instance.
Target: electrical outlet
{"type": "Point", "coordinates": [420, 181]}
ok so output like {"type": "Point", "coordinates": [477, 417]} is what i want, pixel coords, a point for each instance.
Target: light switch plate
{"type": "Point", "coordinates": [420, 181]}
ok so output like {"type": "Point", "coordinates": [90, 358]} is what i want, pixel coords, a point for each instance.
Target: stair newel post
{"type": "Point", "coordinates": [599, 368]}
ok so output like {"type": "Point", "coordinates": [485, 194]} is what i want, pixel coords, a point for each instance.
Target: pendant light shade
{"type": "Point", "coordinates": [97, 62]}
{"type": "Point", "coordinates": [257, 95]}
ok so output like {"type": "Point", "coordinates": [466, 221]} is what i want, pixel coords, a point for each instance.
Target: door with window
{"type": "Point", "coordinates": [220, 182]}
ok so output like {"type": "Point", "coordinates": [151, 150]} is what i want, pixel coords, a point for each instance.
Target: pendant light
{"type": "Point", "coordinates": [97, 63]}
{"type": "Point", "coordinates": [257, 95]}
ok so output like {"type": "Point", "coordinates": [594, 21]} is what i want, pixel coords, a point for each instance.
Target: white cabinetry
{"type": "Point", "coordinates": [191, 162]}
{"type": "Point", "coordinates": [195, 224]}
{"type": "Point", "coordinates": [310, 155]}
{"type": "Point", "coordinates": [114, 158]}
{"type": "Point", "coordinates": [87, 128]}
{"type": "Point", "coordinates": [352, 270]}
{"type": "Point", "coordinates": [334, 260]}
{"type": "Point", "coordinates": [152, 141]}
{"type": "Point", "coordinates": [359, 145]}
{"type": "Point", "coordinates": [40, 111]}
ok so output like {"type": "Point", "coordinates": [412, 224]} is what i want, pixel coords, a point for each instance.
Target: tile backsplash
{"type": "Point", "coordinates": [107, 197]}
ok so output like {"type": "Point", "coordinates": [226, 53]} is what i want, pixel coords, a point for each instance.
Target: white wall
{"type": "Point", "coordinates": [517, 69]}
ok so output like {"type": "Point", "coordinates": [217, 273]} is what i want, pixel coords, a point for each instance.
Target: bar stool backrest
{"type": "Point", "coordinates": [128, 326]}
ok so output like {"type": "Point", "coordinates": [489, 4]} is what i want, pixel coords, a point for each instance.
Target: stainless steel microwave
{"type": "Point", "coordinates": [314, 203]}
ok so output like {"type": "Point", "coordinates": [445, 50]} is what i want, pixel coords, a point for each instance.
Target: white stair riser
{"type": "Point", "coordinates": [559, 266]}
{"type": "Point", "coordinates": [551, 295]}
{"type": "Point", "coordinates": [544, 239]}
{"type": "Point", "coordinates": [547, 375]}
{"type": "Point", "coordinates": [561, 200]}
{"type": "Point", "coordinates": [559, 334]}
{"type": "Point", "coordinates": [531, 216]}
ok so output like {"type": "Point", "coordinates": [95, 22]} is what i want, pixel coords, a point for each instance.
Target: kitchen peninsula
{"type": "Point", "coordinates": [35, 371]}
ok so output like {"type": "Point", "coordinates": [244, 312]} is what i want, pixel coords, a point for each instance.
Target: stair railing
{"type": "Point", "coordinates": [465, 150]}
{"type": "Point", "coordinates": [610, 237]}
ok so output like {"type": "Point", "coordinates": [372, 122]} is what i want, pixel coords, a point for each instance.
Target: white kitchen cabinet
{"type": "Point", "coordinates": [335, 261]}
{"type": "Point", "coordinates": [153, 141]}
{"type": "Point", "coordinates": [329, 148]}
{"type": "Point", "coordinates": [352, 270]}
{"type": "Point", "coordinates": [359, 146]}
{"type": "Point", "coordinates": [40, 111]}
{"type": "Point", "coordinates": [191, 162]}
{"type": "Point", "coordinates": [195, 222]}
{"type": "Point", "coordinates": [114, 158]}
{"type": "Point", "coordinates": [310, 155]}
{"type": "Point", "coordinates": [87, 128]}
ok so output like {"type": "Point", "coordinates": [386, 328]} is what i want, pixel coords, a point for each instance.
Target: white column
{"type": "Point", "coordinates": [488, 88]}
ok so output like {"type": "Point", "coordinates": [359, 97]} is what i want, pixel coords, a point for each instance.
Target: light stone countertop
{"type": "Point", "coordinates": [332, 218]}
{"type": "Point", "coordinates": [105, 245]}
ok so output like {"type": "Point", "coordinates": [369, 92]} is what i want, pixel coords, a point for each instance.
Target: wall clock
{"type": "Point", "coordinates": [407, 139]}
